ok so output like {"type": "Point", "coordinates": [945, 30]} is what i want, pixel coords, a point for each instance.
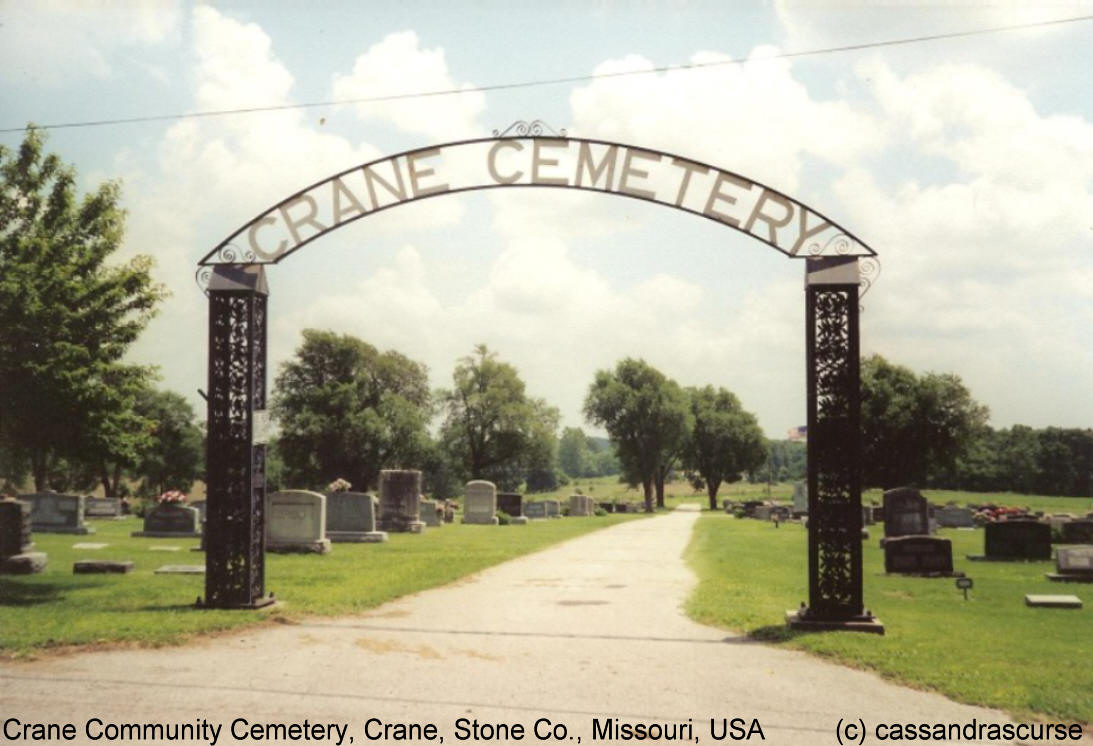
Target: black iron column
{"type": "Point", "coordinates": [236, 452]}
{"type": "Point", "coordinates": [834, 450]}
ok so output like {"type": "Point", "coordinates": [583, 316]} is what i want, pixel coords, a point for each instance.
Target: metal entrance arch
{"type": "Point", "coordinates": [838, 267]}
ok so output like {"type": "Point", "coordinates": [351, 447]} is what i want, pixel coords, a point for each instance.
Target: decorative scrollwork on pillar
{"type": "Point", "coordinates": [834, 454]}
{"type": "Point", "coordinates": [234, 530]}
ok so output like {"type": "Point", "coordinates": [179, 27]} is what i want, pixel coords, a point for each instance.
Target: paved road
{"type": "Point", "coordinates": [577, 635]}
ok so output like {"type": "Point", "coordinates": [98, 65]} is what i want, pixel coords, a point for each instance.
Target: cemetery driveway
{"type": "Point", "coordinates": [578, 635]}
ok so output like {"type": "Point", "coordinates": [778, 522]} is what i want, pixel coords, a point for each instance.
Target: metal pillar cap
{"type": "Point", "coordinates": [832, 270]}
{"type": "Point", "coordinates": [239, 277]}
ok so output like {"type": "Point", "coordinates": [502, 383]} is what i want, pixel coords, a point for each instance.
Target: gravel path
{"type": "Point", "coordinates": [577, 636]}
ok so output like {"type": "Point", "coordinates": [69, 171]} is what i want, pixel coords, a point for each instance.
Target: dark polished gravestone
{"type": "Point", "coordinates": [171, 521]}
{"type": "Point", "coordinates": [510, 503]}
{"type": "Point", "coordinates": [400, 509]}
{"type": "Point", "coordinates": [16, 557]}
{"type": "Point", "coordinates": [1015, 540]}
{"type": "Point", "coordinates": [905, 513]}
{"type": "Point", "coordinates": [919, 555]}
{"type": "Point", "coordinates": [1077, 532]}
{"type": "Point", "coordinates": [52, 513]}
{"type": "Point", "coordinates": [1073, 565]}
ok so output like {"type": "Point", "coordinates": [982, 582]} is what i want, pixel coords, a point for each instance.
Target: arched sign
{"type": "Point", "coordinates": [234, 277]}
{"type": "Point", "coordinates": [543, 162]}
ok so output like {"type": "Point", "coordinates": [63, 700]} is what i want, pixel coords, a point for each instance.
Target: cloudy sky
{"type": "Point", "coordinates": [966, 163]}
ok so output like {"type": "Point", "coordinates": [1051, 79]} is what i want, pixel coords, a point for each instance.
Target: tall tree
{"type": "Point", "coordinates": [725, 440]}
{"type": "Point", "coordinates": [347, 411]}
{"type": "Point", "coordinates": [647, 416]}
{"type": "Point", "coordinates": [913, 426]}
{"type": "Point", "coordinates": [173, 454]}
{"type": "Point", "coordinates": [492, 428]}
{"type": "Point", "coordinates": [69, 315]}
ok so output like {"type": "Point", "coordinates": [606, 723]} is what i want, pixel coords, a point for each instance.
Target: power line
{"type": "Point", "coordinates": [555, 81]}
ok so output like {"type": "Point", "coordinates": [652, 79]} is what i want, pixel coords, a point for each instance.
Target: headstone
{"type": "Point", "coordinates": [296, 522]}
{"type": "Point", "coordinates": [580, 506]}
{"type": "Point", "coordinates": [51, 513]}
{"type": "Point", "coordinates": [15, 536]}
{"type": "Point", "coordinates": [918, 555]}
{"type": "Point", "coordinates": [97, 567]}
{"type": "Point", "coordinates": [905, 513]}
{"type": "Point", "coordinates": [535, 509]}
{"type": "Point", "coordinates": [27, 563]}
{"type": "Point", "coordinates": [171, 520]}
{"type": "Point", "coordinates": [1017, 540]}
{"type": "Point", "coordinates": [761, 512]}
{"type": "Point", "coordinates": [449, 511]}
{"type": "Point", "coordinates": [867, 515]}
{"type": "Point", "coordinates": [779, 513]}
{"type": "Point", "coordinates": [102, 507]}
{"type": "Point", "coordinates": [510, 503]}
{"type": "Point", "coordinates": [1078, 532]}
{"type": "Point", "coordinates": [16, 557]}
{"type": "Point", "coordinates": [201, 506]}
{"type": "Point", "coordinates": [90, 545]}
{"type": "Point", "coordinates": [800, 498]}
{"type": "Point", "coordinates": [430, 513]}
{"type": "Point", "coordinates": [180, 570]}
{"type": "Point", "coordinates": [351, 517]}
{"type": "Point", "coordinates": [400, 491]}
{"type": "Point", "coordinates": [553, 508]}
{"type": "Point", "coordinates": [951, 516]}
{"type": "Point", "coordinates": [480, 503]}
{"type": "Point", "coordinates": [1073, 564]}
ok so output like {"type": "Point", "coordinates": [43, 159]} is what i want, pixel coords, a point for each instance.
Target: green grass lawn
{"type": "Point", "coordinates": [990, 650]}
{"type": "Point", "coordinates": [58, 608]}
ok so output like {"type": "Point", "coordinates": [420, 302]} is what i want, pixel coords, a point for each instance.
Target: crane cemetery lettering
{"type": "Point", "coordinates": [570, 163]}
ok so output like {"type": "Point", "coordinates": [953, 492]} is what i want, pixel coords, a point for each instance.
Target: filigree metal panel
{"type": "Point", "coordinates": [834, 454]}
{"type": "Point", "coordinates": [234, 541]}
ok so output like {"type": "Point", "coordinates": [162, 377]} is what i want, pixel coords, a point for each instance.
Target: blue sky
{"type": "Point", "coordinates": [966, 163]}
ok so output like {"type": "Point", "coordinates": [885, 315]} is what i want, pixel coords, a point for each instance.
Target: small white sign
{"type": "Point", "coordinates": [260, 427]}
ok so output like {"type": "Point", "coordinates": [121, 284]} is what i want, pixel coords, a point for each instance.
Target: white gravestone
{"type": "Point", "coordinates": [480, 503]}
{"type": "Point", "coordinates": [296, 522]}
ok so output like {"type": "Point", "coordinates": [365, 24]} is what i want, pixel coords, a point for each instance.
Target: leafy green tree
{"type": "Point", "coordinates": [492, 429]}
{"type": "Point", "coordinates": [724, 442]}
{"type": "Point", "coordinates": [913, 426]}
{"type": "Point", "coordinates": [575, 455]}
{"type": "Point", "coordinates": [69, 315]}
{"type": "Point", "coordinates": [646, 415]}
{"type": "Point", "coordinates": [173, 454]}
{"type": "Point", "coordinates": [347, 410]}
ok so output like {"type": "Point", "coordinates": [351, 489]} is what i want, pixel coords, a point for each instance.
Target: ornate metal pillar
{"type": "Point", "coordinates": [236, 451]}
{"type": "Point", "coordinates": [834, 450]}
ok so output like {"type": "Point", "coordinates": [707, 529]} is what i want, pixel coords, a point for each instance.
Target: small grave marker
{"type": "Point", "coordinates": [1053, 602]}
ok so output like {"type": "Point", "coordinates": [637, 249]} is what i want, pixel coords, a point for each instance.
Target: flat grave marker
{"type": "Point", "coordinates": [1052, 601]}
